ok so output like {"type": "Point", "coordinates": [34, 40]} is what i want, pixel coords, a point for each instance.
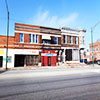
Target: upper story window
{"type": "Point", "coordinates": [30, 38]}
{"type": "Point", "coordinates": [64, 39]}
{"type": "Point", "coordinates": [70, 39]}
{"type": "Point", "coordinates": [36, 38]}
{"type": "Point", "coordinates": [55, 40]}
{"type": "Point", "coordinates": [21, 37]}
{"type": "Point", "coordinates": [76, 40]}
{"type": "Point", "coordinates": [33, 38]}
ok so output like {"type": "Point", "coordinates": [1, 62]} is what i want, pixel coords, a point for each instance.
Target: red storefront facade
{"type": "Point", "coordinates": [48, 58]}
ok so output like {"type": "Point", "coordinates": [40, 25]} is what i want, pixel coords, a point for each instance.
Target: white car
{"type": "Point", "coordinates": [98, 62]}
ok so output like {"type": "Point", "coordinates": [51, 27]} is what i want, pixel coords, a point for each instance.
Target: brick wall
{"type": "Point", "coordinates": [26, 38]}
{"type": "Point", "coordinates": [3, 41]}
{"type": "Point", "coordinates": [16, 37]}
{"type": "Point", "coordinates": [68, 43]}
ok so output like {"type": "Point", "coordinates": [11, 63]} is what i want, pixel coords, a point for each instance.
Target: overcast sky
{"type": "Point", "coordinates": [53, 13]}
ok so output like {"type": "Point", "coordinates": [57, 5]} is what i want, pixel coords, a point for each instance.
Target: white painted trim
{"type": "Point", "coordinates": [37, 33]}
{"type": "Point", "coordinates": [69, 48]}
{"type": "Point", "coordinates": [71, 34]}
{"type": "Point", "coordinates": [73, 61]}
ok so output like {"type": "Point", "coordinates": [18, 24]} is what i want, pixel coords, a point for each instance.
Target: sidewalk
{"type": "Point", "coordinates": [74, 65]}
{"type": "Point", "coordinates": [54, 71]}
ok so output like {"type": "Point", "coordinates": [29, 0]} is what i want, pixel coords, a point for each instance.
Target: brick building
{"type": "Point", "coordinates": [96, 52]}
{"type": "Point", "coordinates": [37, 45]}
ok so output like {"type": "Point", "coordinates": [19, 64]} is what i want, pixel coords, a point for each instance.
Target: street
{"type": "Point", "coordinates": [24, 85]}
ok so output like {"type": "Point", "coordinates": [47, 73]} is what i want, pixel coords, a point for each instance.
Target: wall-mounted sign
{"type": "Point", "coordinates": [48, 54]}
{"type": "Point", "coordinates": [25, 52]}
{"type": "Point", "coordinates": [1, 52]}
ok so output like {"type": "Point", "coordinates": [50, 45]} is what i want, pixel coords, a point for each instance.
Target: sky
{"type": "Point", "coordinates": [53, 13]}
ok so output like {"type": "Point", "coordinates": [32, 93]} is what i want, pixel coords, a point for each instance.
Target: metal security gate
{"type": "Point", "coordinates": [75, 55]}
{"type": "Point", "coordinates": [31, 60]}
{"type": "Point", "coordinates": [1, 61]}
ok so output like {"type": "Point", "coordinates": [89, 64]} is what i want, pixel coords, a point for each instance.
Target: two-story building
{"type": "Point", "coordinates": [31, 45]}
{"type": "Point", "coordinates": [72, 43]}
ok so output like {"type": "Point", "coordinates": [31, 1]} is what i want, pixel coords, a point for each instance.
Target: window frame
{"type": "Point", "coordinates": [56, 40]}
{"type": "Point", "coordinates": [20, 38]}
{"type": "Point", "coordinates": [76, 40]}
{"type": "Point", "coordinates": [30, 38]}
{"type": "Point", "coordinates": [71, 39]}
{"type": "Point", "coordinates": [65, 40]}
{"type": "Point", "coordinates": [33, 38]}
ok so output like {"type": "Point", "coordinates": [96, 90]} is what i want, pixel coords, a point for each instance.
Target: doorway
{"type": "Point", "coordinates": [49, 61]}
{"type": "Point", "coordinates": [68, 53]}
{"type": "Point", "coordinates": [1, 61]}
{"type": "Point", "coordinates": [19, 60]}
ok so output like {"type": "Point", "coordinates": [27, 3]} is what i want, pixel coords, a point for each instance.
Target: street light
{"type": "Point", "coordinates": [7, 33]}
{"type": "Point", "coordinates": [92, 29]}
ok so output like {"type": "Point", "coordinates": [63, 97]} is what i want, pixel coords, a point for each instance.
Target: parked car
{"type": "Point", "coordinates": [98, 62]}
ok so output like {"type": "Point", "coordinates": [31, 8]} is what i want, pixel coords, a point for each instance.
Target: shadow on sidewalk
{"type": "Point", "coordinates": [2, 70]}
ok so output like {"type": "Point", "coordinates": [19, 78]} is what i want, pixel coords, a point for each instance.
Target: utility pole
{"type": "Point", "coordinates": [92, 53]}
{"type": "Point", "coordinates": [7, 33]}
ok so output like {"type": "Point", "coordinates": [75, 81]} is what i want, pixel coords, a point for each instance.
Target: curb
{"type": "Point", "coordinates": [47, 74]}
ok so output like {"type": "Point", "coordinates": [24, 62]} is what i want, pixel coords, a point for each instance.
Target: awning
{"type": "Point", "coordinates": [47, 37]}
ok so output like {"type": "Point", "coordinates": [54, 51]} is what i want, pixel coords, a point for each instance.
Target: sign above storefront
{"type": "Point", "coordinates": [26, 52]}
{"type": "Point", "coordinates": [48, 54]}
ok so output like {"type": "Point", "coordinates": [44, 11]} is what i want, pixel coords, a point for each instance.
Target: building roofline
{"type": "Point", "coordinates": [73, 29]}
{"type": "Point", "coordinates": [6, 35]}
{"type": "Point", "coordinates": [38, 26]}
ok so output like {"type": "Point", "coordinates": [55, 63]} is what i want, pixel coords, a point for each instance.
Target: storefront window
{"type": "Point", "coordinates": [9, 59]}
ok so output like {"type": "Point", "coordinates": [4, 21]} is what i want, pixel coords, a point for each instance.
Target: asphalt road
{"type": "Point", "coordinates": [85, 86]}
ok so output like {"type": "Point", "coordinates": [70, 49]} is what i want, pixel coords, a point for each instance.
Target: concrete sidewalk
{"type": "Point", "coordinates": [47, 72]}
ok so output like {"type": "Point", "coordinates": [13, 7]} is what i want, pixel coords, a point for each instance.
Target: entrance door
{"type": "Point", "coordinates": [19, 60]}
{"type": "Point", "coordinates": [49, 61]}
{"type": "Point", "coordinates": [68, 54]}
{"type": "Point", "coordinates": [1, 61]}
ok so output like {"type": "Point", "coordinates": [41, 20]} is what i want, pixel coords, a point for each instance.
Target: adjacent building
{"type": "Point", "coordinates": [72, 44]}
{"type": "Point", "coordinates": [40, 46]}
{"type": "Point", "coordinates": [95, 53]}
